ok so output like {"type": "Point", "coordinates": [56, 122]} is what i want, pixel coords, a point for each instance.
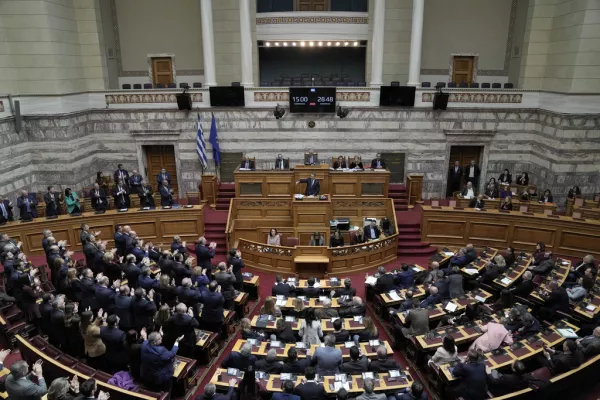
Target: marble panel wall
{"type": "Point", "coordinates": [557, 151]}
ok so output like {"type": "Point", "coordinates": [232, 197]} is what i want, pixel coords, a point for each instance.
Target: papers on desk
{"type": "Point", "coordinates": [565, 262]}
{"type": "Point", "coordinates": [380, 170]}
{"type": "Point", "coordinates": [451, 307]}
{"type": "Point", "coordinates": [448, 253]}
{"type": "Point", "coordinates": [317, 284]}
{"type": "Point", "coordinates": [394, 296]}
{"type": "Point", "coordinates": [323, 298]}
{"type": "Point", "coordinates": [479, 298]}
{"type": "Point", "coordinates": [470, 271]}
{"type": "Point", "coordinates": [590, 307]}
{"type": "Point", "coordinates": [280, 297]}
{"type": "Point", "coordinates": [371, 280]}
{"type": "Point", "coordinates": [358, 318]}
{"type": "Point", "coordinates": [281, 303]}
{"type": "Point", "coordinates": [567, 333]}
{"type": "Point", "coordinates": [368, 375]}
{"type": "Point", "coordinates": [298, 196]}
{"type": "Point", "coordinates": [416, 269]}
{"type": "Point", "coordinates": [245, 169]}
{"type": "Point", "coordinates": [285, 377]}
{"type": "Point", "coordinates": [374, 343]}
{"type": "Point", "coordinates": [338, 385]}
{"type": "Point", "coordinates": [334, 319]}
{"type": "Point", "coordinates": [349, 344]}
{"type": "Point", "coordinates": [506, 281]}
{"type": "Point", "coordinates": [275, 343]}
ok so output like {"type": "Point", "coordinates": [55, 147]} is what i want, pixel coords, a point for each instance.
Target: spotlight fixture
{"type": "Point", "coordinates": [294, 44]}
{"type": "Point", "coordinates": [311, 44]}
{"type": "Point", "coordinates": [346, 44]}
{"type": "Point", "coordinates": [337, 43]}
{"type": "Point", "coordinates": [342, 112]}
{"type": "Point", "coordinates": [284, 44]}
{"type": "Point", "coordinates": [279, 112]}
{"type": "Point", "coordinates": [268, 44]}
{"type": "Point", "coordinates": [276, 43]}
{"type": "Point", "coordinates": [302, 44]}
{"type": "Point", "coordinates": [320, 43]}
{"type": "Point", "coordinates": [355, 43]}
{"type": "Point", "coordinates": [328, 43]}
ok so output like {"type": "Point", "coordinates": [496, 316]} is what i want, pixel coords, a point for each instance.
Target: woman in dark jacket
{"type": "Point", "coordinates": [167, 291]}
{"type": "Point", "coordinates": [234, 259]}
{"type": "Point", "coordinates": [540, 253]}
{"type": "Point", "coordinates": [133, 343]}
{"type": "Point", "coordinates": [30, 294]}
{"type": "Point", "coordinates": [547, 197]}
{"type": "Point", "coordinates": [73, 338]}
{"type": "Point", "coordinates": [574, 192]}
{"type": "Point", "coordinates": [336, 240]}
{"type": "Point", "coordinates": [523, 180]}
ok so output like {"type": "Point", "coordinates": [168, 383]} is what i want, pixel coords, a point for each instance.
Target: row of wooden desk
{"type": "Point", "coordinates": [494, 204]}
{"type": "Point", "coordinates": [349, 324]}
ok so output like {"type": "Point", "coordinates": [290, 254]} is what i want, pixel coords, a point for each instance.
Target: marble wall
{"type": "Point", "coordinates": [557, 150]}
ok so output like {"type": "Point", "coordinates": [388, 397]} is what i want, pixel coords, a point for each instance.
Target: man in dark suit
{"type": "Point", "coordinates": [385, 281]}
{"type": "Point", "coordinates": [212, 313]}
{"type": "Point", "coordinates": [355, 309]}
{"type": "Point", "coordinates": [166, 194]}
{"type": "Point", "coordinates": [501, 384]}
{"type": "Point", "coordinates": [242, 360]}
{"type": "Point", "coordinates": [293, 365]}
{"type": "Point", "coordinates": [525, 287]}
{"type": "Point", "coordinates": [114, 340]}
{"type": "Point", "coordinates": [52, 200]}
{"type": "Point", "coordinates": [281, 288]}
{"type": "Point", "coordinates": [472, 173]}
{"type": "Point", "coordinates": [469, 192]}
{"type": "Point", "coordinates": [281, 163]}
{"type": "Point", "coordinates": [247, 163]}
{"type": "Point", "coordinates": [189, 295]}
{"type": "Point", "coordinates": [182, 323]}
{"type": "Point", "coordinates": [163, 176]}
{"type": "Point", "coordinates": [327, 359]}
{"type": "Point", "coordinates": [121, 175]}
{"type": "Point", "coordinates": [590, 345]}
{"type": "Point", "coordinates": [372, 231]}
{"type": "Point", "coordinates": [310, 291]}
{"type": "Point", "coordinates": [346, 290]}
{"type": "Point", "coordinates": [309, 389]}
{"type": "Point", "coordinates": [378, 162]}
{"type": "Point", "coordinates": [358, 362]}
{"type": "Point", "coordinates": [456, 172]}
{"type": "Point", "coordinates": [204, 253]}
{"type": "Point", "coordinates": [6, 213]}
{"type": "Point", "coordinates": [121, 195]}
{"type": "Point", "coordinates": [226, 280]}
{"type": "Point", "coordinates": [269, 364]}
{"type": "Point", "coordinates": [135, 182]}
{"type": "Point", "coordinates": [473, 383]}
{"type": "Point", "coordinates": [460, 258]}
{"type": "Point", "coordinates": [341, 335]}
{"type": "Point", "coordinates": [179, 270]}
{"type": "Point", "coordinates": [26, 206]}
{"type": "Point", "coordinates": [477, 203]}
{"type": "Point", "coordinates": [556, 300]}
{"type": "Point", "coordinates": [105, 296]}
{"type": "Point", "coordinates": [559, 362]}
{"type": "Point", "coordinates": [132, 271]}
{"type": "Point", "coordinates": [20, 385]}
{"type": "Point", "coordinates": [326, 312]}
{"type": "Point", "coordinates": [236, 264]}
{"type": "Point", "coordinates": [578, 269]}
{"type": "Point", "coordinates": [405, 278]}
{"type": "Point", "coordinates": [143, 309]}
{"type": "Point", "coordinates": [90, 248]}
{"type": "Point", "coordinates": [123, 308]}
{"type": "Point", "coordinates": [383, 363]}
{"type": "Point", "coordinates": [312, 185]}
{"type": "Point", "coordinates": [57, 321]}
{"type": "Point", "coordinates": [288, 389]}
{"type": "Point", "coordinates": [119, 239]}
{"type": "Point", "coordinates": [210, 392]}
{"type": "Point", "coordinates": [157, 363]}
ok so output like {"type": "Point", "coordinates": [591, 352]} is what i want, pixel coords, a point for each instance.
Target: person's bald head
{"type": "Point", "coordinates": [180, 308]}
{"type": "Point", "coordinates": [469, 246]}
{"type": "Point", "coordinates": [527, 276]}
{"type": "Point", "coordinates": [435, 265]}
{"type": "Point", "coordinates": [597, 331]}
{"type": "Point", "coordinates": [433, 290]}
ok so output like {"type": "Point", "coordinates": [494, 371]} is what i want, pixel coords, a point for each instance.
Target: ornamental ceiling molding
{"type": "Point", "coordinates": [507, 52]}
{"type": "Point", "coordinates": [117, 41]}
{"type": "Point", "coordinates": [478, 98]}
{"type": "Point", "coordinates": [148, 98]}
{"type": "Point", "coordinates": [311, 20]}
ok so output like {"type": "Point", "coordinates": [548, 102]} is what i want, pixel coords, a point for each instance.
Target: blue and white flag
{"type": "Point", "coordinates": [200, 145]}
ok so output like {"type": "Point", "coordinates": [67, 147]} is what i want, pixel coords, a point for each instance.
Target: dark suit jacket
{"type": "Point", "coordinates": [250, 164]}
{"type": "Point", "coordinates": [132, 272]}
{"type": "Point", "coordinates": [474, 203]}
{"type": "Point", "coordinates": [310, 292]}
{"type": "Point", "coordinates": [456, 175]}
{"type": "Point", "coordinates": [367, 230]}
{"type": "Point", "coordinates": [285, 396]}
{"type": "Point", "coordinates": [384, 284]}
{"type": "Point", "coordinates": [383, 365]}
{"type": "Point", "coordinates": [558, 300]}
{"type": "Point", "coordinates": [374, 163]}
{"type": "Point", "coordinates": [22, 206]}
{"type": "Point", "coordinates": [297, 366]}
{"type": "Point", "coordinates": [160, 178]}
{"type": "Point", "coordinates": [143, 311]}
{"type": "Point", "coordinates": [580, 268]}
{"type": "Point", "coordinates": [473, 384]}
{"type": "Point", "coordinates": [270, 367]}
{"type": "Point", "coordinates": [101, 196]}
{"type": "Point", "coordinates": [122, 199]}
{"type": "Point", "coordinates": [179, 272]}
{"type": "Point", "coordinates": [501, 384]}
{"type": "Point", "coordinates": [157, 363]}
{"type": "Point", "coordinates": [313, 187]}
{"type": "Point", "coordinates": [24, 389]}
{"type": "Point", "coordinates": [166, 199]}
{"type": "Point", "coordinates": [123, 311]}
{"type": "Point", "coordinates": [182, 325]}
{"type": "Point", "coordinates": [355, 367]}
{"type": "Point", "coordinates": [310, 391]}
{"type": "Point", "coordinates": [237, 360]}
{"type": "Point", "coordinates": [282, 289]}
{"type": "Point", "coordinates": [337, 164]}
{"type": "Point", "coordinates": [114, 340]}
{"type": "Point", "coordinates": [466, 170]}
{"type": "Point", "coordinates": [52, 206]}
{"type": "Point", "coordinates": [524, 288]}
{"type": "Point", "coordinates": [105, 298]}
{"type": "Point", "coordinates": [286, 163]}
{"type": "Point", "coordinates": [227, 396]}
{"type": "Point", "coordinates": [503, 176]}
{"type": "Point", "coordinates": [562, 362]}
{"type": "Point", "coordinates": [341, 336]}
{"type": "Point", "coordinates": [203, 256]}
{"type": "Point", "coordinates": [590, 346]}
{"type": "Point", "coordinates": [213, 306]}
{"type": "Point", "coordinates": [125, 178]}
{"type": "Point", "coordinates": [9, 212]}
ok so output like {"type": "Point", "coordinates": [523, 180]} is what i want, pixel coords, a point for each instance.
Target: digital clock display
{"type": "Point", "coordinates": [312, 99]}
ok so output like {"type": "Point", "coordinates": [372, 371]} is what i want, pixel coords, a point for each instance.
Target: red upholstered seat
{"type": "Point", "coordinates": [292, 241]}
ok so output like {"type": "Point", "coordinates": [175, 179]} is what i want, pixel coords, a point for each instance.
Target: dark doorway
{"type": "Point", "coordinates": [395, 163]}
{"type": "Point", "coordinates": [464, 155]}
{"type": "Point", "coordinates": [229, 162]}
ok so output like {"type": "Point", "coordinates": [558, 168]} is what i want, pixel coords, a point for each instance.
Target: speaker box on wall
{"type": "Point", "coordinates": [184, 101]}
{"type": "Point", "coordinates": [440, 101]}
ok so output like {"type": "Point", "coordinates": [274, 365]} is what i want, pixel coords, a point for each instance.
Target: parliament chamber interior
{"type": "Point", "coordinates": [299, 199]}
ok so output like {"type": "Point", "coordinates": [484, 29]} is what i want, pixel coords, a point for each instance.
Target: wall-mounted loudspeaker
{"type": "Point", "coordinates": [440, 101]}
{"type": "Point", "coordinates": [184, 101]}
{"type": "Point", "coordinates": [18, 117]}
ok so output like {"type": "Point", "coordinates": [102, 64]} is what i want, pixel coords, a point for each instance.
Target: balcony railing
{"type": "Point", "coordinates": [267, 6]}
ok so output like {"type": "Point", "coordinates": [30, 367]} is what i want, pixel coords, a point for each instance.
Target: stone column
{"type": "Point", "coordinates": [416, 39]}
{"type": "Point", "coordinates": [246, 44]}
{"type": "Point", "coordinates": [377, 43]}
{"type": "Point", "coordinates": [208, 43]}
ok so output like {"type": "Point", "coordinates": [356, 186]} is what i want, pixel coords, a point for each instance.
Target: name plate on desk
{"type": "Point", "coordinates": [372, 189]}
{"type": "Point", "coordinates": [249, 189]}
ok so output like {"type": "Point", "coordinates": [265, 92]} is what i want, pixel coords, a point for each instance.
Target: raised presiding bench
{"type": "Point", "coordinates": [384, 382]}
{"type": "Point", "coordinates": [564, 236]}
{"type": "Point", "coordinates": [156, 226]}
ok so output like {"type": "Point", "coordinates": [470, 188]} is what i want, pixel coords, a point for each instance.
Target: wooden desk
{"type": "Point", "coordinates": [586, 204]}
{"type": "Point", "coordinates": [326, 325]}
{"type": "Point", "coordinates": [494, 204]}
{"type": "Point", "coordinates": [512, 275]}
{"type": "Point", "coordinates": [564, 236]}
{"type": "Point", "coordinates": [251, 286]}
{"type": "Point", "coordinates": [558, 274]}
{"type": "Point", "coordinates": [311, 265]}
{"type": "Point", "coordinates": [282, 183]}
{"type": "Point", "coordinates": [156, 226]}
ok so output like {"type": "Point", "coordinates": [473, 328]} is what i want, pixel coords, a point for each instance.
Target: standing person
{"type": "Point", "coordinates": [472, 173]}
{"type": "Point", "coordinates": [473, 383]}
{"type": "Point", "coordinates": [26, 206]}
{"type": "Point", "coordinates": [157, 362]}
{"type": "Point", "coordinates": [204, 253]}
{"type": "Point", "coordinates": [212, 314]}
{"type": "Point", "coordinates": [312, 185]}
{"type": "Point", "coordinates": [135, 182]}
{"type": "Point", "coordinates": [114, 340]}
{"type": "Point", "coordinates": [310, 328]}
{"type": "Point", "coordinates": [145, 194]}
{"type": "Point", "coordinates": [121, 174]}
{"type": "Point", "coordinates": [52, 201]}
{"type": "Point", "coordinates": [327, 359]}
{"type": "Point", "coordinates": [166, 194]}
{"type": "Point", "coordinates": [236, 264]}
{"type": "Point", "coordinates": [6, 213]}
{"type": "Point", "coordinates": [121, 195]}
{"type": "Point", "coordinates": [456, 173]}
{"type": "Point", "coordinates": [163, 176]}
{"type": "Point", "coordinates": [98, 198]}
{"type": "Point", "coordinates": [90, 330]}
{"type": "Point", "coordinates": [19, 384]}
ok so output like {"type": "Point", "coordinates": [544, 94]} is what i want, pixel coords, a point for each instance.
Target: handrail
{"type": "Point", "coordinates": [327, 247]}
{"type": "Point", "coordinates": [229, 226]}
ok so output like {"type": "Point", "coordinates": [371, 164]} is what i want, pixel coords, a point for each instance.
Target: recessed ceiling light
{"type": "Point", "coordinates": [328, 43]}
{"type": "Point", "coordinates": [267, 44]}
{"type": "Point", "coordinates": [284, 44]}
{"type": "Point", "coordinates": [302, 43]}
{"type": "Point", "coordinates": [346, 44]}
{"type": "Point", "coordinates": [320, 43]}
{"type": "Point", "coordinates": [276, 43]}
{"type": "Point", "coordinates": [294, 44]}
{"type": "Point", "coordinates": [337, 43]}
{"type": "Point", "coordinates": [356, 43]}
{"type": "Point", "coordinates": [311, 44]}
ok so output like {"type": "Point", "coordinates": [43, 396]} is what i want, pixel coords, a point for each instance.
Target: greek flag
{"type": "Point", "coordinates": [200, 145]}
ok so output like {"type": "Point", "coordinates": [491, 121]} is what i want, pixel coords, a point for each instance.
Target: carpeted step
{"type": "Point", "coordinates": [214, 229]}
{"type": "Point", "coordinates": [412, 244]}
{"type": "Point", "coordinates": [227, 186]}
{"type": "Point", "coordinates": [408, 224]}
{"type": "Point", "coordinates": [417, 252]}
{"type": "Point", "coordinates": [221, 200]}
{"type": "Point", "coordinates": [409, 237]}
{"type": "Point", "coordinates": [401, 208]}
{"type": "Point", "coordinates": [220, 207]}
{"type": "Point", "coordinates": [409, 230]}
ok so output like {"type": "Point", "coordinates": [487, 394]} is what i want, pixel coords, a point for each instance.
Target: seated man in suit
{"type": "Point", "coordinates": [166, 194]}
{"type": "Point", "coordinates": [468, 191]}
{"type": "Point", "coordinates": [310, 291]}
{"type": "Point", "coordinates": [243, 360]}
{"type": "Point", "coordinates": [561, 361]}
{"type": "Point", "coordinates": [309, 389]}
{"type": "Point", "coordinates": [578, 269]}
{"type": "Point", "coordinates": [372, 231]}
{"type": "Point", "coordinates": [6, 213]}
{"type": "Point", "coordinates": [135, 182]}
{"type": "Point", "coordinates": [340, 163]}
{"type": "Point", "coordinates": [355, 308]}
{"type": "Point", "coordinates": [406, 278]}
{"type": "Point", "coordinates": [163, 176]}
{"type": "Point", "coordinates": [378, 162]}
{"type": "Point", "coordinates": [590, 345]}
{"type": "Point", "coordinates": [477, 203]}
{"type": "Point", "coordinates": [288, 390]}
{"type": "Point", "coordinates": [311, 158]}
{"type": "Point", "coordinates": [369, 388]}
{"type": "Point", "coordinates": [358, 362]}
{"type": "Point", "coordinates": [293, 365]}
{"type": "Point", "coordinates": [247, 163]}
{"type": "Point", "coordinates": [26, 206]}
{"type": "Point", "coordinates": [433, 297]}
{"type": "Point", "coordinates": [281, 287]}
{"type": "Point", "coordinates": [383, 363]}
{"type": "Point", "coordinates": [326, 312]}
{"type": "Point", "coordinates": [347, 290]}
{"type": "Point", "coordinates": [281, 163]}
{"type": "Point", "coordinates": [210, 392]}
{"type": "Point", "coordinates": [121, 174]}
{"type": "Point", "coordinates": [415, 392]}
{"type": "Point", "coordinates": [98, 198]}
{"type": "Point", "coordinates": [269, 364]}
{"type": "Point", "coordinates": [501, 384]}
{"type": "Point", "coordinates": [385, 281]}
{"type": "Point", "coordinates": [327, 359]}
{"type": "Point", "coordinates": [312, 185]}
{"type": "Point", "coordinates": [341, 335]}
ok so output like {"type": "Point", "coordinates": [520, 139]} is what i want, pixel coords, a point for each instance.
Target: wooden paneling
{"type": "Point", "coordinates": [562, 235]}
{"type": "Point", "coordinates": [159, 157]}
{"type": "Point", "coordinates": [162, 70]}
{"type": "Point", "coordinates": [462, 71]}
{"type": "Point", "coordinates": [414, 185]}
{"type": "Point", "coordinates": [157, 226]}
{"type": "Point", "coordinates": [532, 206]}
{"type": "Point", "coordinates": [209, 189]}
{"type": "Point", "coordinates": [312, 5]}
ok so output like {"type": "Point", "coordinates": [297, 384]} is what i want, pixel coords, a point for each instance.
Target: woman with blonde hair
{"type": "Point", "coordinates": [93, 344]}
{"type": "Point", "coordinates": [248, 332]}
{"type": "Point", "coordinates": [71, 285]}
{"type": "Point", "coordinates": [162, 316]}
{"type": "Point", "coordinates": [270, 308]}
{"type": "Point", "coordinates": [299, 308]}
{"type": "Point", "coordinates": [507, 204]}
{"type": "Point", "coordinates": [500, 261]}
{"type": "Point", "coordinates": [369, 333]}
